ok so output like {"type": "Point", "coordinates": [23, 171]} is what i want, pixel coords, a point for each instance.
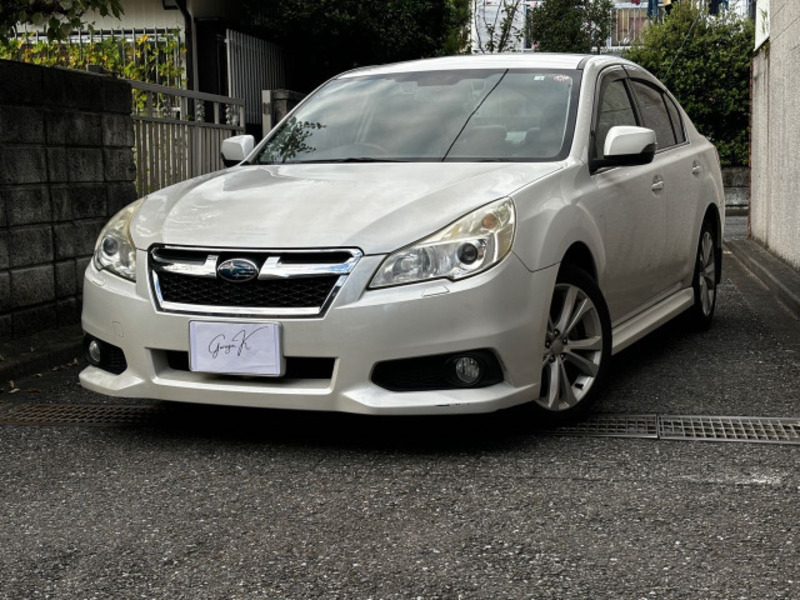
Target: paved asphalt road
{"type": "Point", "coordinates": [239, 504]}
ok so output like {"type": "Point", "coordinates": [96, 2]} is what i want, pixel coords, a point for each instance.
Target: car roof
{"type": "Point", "coordinates": [517, 60]}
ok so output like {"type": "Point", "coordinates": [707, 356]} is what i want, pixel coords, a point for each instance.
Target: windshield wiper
{"type": "Point", "coordinates": [351, 159]}
{"type": "Point", "coordinates": [322, 161]}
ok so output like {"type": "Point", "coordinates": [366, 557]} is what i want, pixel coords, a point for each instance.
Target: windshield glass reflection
{"type": "Point", "coordinates": [464, 115]}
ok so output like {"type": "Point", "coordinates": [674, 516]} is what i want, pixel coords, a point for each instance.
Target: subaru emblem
{"type": "Point", "coordinates": [237, 270]}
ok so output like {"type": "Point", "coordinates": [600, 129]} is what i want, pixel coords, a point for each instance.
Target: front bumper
{"type": "Point", "coordinates": [503, 310]}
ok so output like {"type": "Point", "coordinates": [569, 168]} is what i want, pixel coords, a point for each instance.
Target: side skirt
{"type": "Point", "coordinates": [654, 317]}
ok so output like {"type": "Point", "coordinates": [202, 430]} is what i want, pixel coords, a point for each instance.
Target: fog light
{"type": "Point", "coordinates": [94, 352]}
{"type": "Point", "coordinates": [468, 370]}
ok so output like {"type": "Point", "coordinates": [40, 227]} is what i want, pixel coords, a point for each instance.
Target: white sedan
{"type": "Point", "coordinates": [451, 235]}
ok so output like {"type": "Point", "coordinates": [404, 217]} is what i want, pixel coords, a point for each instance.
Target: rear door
{"type": "Point", "coordinates": [678, 172]}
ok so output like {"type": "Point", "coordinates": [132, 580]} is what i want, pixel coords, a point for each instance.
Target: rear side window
{"type": "Point", "coordinates": [615, 109]}
{"type": "Point", "coordinates": [675, 117]}
{"type": "Point", "coordinates": [654, 114]}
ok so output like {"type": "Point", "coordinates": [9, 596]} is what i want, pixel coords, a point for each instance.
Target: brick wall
{"type": "Point", "coordinates": [66, 166]}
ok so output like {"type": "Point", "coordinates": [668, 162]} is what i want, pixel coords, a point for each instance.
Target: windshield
{"type": "Point", "coordinates": [463, 115]}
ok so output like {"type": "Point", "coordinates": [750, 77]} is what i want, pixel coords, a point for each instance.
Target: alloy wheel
{"type": "Point", "coordinates": [573, 349]}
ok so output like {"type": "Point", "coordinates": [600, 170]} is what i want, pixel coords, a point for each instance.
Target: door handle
{"type": "Point", "coordinates": [658, 185]}
{"type": "Point", "coordinates": [696, 169]}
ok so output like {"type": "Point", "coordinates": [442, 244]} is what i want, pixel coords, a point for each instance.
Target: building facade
{"type": "Point", "coordinates": [630, 21]}
{"type": "Point", "coordinates": [775, 203]}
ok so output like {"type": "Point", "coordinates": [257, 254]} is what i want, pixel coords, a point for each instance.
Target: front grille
{"type": "Point", "coordinates": [278, 293]}
{"type": "Point", "coordinates": [281, 282]}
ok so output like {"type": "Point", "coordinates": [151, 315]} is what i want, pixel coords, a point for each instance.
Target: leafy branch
{"type": "Point", "coordinates": [499, 32]}
{"type": "Point", "coordinates": [58, 18]}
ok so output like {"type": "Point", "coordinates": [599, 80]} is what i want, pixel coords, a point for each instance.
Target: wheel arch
{"type": "Point", "coordinates": [568, 233]}
{"type": "Point", "coordinates": [578, 255]}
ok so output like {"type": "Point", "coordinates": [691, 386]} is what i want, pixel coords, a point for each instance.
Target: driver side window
{"type": "Point", "coordinates": [615, 109]}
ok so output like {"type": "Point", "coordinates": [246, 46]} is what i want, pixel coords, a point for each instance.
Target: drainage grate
{"type": "Point", "coordinates": [730, 429]}
{"type": "Point", "coordinates": [763, 430]}
{"type": "Point", "coordinates": [105, 415]}
{"type": "Point", "coordinates": [634, 426]}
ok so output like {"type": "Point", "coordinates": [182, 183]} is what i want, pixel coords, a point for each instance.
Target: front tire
{"type": "Point", "coordinates": [576, 351]}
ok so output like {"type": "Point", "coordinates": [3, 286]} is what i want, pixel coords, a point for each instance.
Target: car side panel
{"type": "Point", "coordinates": [552, 216]}
{"type": "Point", "coordinates": [631, 217]}
{"type": "Point", "coordinates": [683, 213]}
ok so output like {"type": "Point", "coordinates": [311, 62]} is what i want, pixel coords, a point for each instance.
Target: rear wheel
{"type": "Point", "coordinates": [706, 271]}
{"type": "Point", "coordinates": [576, 350]}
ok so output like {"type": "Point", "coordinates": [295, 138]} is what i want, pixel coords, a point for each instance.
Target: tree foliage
{"type": "Point", "coordinates": [58, 17]}
{"type": "Point", "coordinates": [325, 37]}
{"type": "Point", "coordinates": [705, 62]}
{"type": "Point", "coordinates": [571, 25]}
{"type": "Point", "coordinates": [457, 27]}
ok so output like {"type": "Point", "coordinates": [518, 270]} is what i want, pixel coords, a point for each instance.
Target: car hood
{"type": "Point", "coordinates": [375, 207]}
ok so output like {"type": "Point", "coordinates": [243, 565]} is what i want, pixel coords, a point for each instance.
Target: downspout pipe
{"type": "Point", "coordinates": [191, 75]}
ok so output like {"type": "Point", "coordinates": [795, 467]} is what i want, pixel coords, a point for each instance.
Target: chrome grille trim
{"type": "Point", "coordinates": [272, 269]}
{"type": "Point", "coordinates": [206, 269]}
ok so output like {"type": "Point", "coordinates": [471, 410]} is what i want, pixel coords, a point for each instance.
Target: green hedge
{"type": "Point", "coordinates": [705, 62]}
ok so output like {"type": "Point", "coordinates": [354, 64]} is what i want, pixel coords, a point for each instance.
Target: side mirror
{"type": "Point", "coordinates": [236, 148]}
{"type": "Point", "coordinates": [627, 146]}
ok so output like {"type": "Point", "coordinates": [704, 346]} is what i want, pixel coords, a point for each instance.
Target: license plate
{"type": "Point", "coordinates": [236, 348]}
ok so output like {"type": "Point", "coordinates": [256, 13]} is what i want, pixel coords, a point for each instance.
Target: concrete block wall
{"type": "Point", "coordinates": [737, 187]}
{"type": "Point", "coordinates": [66, 166]}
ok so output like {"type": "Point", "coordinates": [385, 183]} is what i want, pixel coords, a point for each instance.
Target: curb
{"type": "Point", "coordinates": [736, 210]}
{"type": "Point", "coordinates": [40, 352]}
{"type": "Point", "coordinates": [781, 279]}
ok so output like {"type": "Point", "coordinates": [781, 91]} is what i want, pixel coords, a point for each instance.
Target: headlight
{"type": "Point", "coordinates": [470, 245]}
{"type": "Point", "coordinates": [114, 249]}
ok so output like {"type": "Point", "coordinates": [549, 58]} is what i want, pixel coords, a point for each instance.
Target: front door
{"type": "Point", "coordinates": [630, 204]}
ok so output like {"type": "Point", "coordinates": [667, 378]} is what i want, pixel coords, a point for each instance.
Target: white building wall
{"type": "Point", "coordinates": [140, 14]}
{"type": "Point", "coordinates": [775, 201]}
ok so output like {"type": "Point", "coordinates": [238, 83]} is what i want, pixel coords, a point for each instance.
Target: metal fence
{"type": "Point", "coordinates": [155, 55]}
{"type": "Point", "coordinates": [630, 21]}
{"type": "Point", "coordinates": [178, 133]}
{"type": "Point", "coordinates": [253, 65]}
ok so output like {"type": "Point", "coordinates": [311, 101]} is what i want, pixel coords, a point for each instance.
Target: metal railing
{"type": "Point", "coordinates": [630, 21]}
{"type": "Point", "coordinates": [178, 133]}
{"type": "Point", "coordinates": [253, 65]}
{"type": "Point", "coordinates": [155, 55]}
